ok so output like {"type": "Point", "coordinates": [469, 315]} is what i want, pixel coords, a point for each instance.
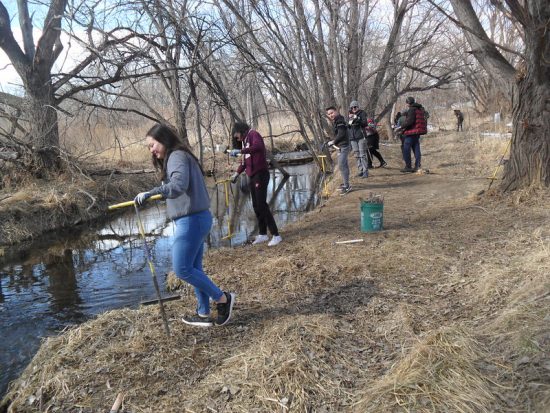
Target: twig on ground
{"type": "Point", "coordinates": [117, 403]}
{"type": "Point", "coordinates": [479, 207]}
{"type": "Point", "coordinates": [91, 197]}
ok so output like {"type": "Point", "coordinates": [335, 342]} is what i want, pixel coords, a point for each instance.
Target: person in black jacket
{"type": "Point", "coordinates": [357, 120]}
{"type": "Point", "coordinates": [373, 144]}
{"type": "Point", "coordinates": [340, 141]}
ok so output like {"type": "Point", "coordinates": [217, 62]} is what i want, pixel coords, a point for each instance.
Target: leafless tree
{"type": "Point", "coordinates": [316, 53]}
{"type": "Point", "coordinates": [527, 83]}
{"type": "Point", "coordinates": [33, 117]}
{"type": "Point", "coordinates": [481, 85]}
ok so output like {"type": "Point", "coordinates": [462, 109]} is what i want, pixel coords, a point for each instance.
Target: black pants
{"type": "Point", "coordinates": [258, 191]}
{"type": "Point", "coordinates": [374, 152]}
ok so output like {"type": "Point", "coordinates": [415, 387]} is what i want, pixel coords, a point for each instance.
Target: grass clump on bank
{"type": "Point", "coordinates": [441, 373]}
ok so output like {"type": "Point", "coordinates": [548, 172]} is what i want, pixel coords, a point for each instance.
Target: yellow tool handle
{"type": "Point", "coordinates": [131, 203]}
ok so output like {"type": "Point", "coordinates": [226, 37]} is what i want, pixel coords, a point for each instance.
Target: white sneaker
{"type": "Point", "coordinates": [275, 240]}
{"type": "Point", "coordinates": [260, 238]}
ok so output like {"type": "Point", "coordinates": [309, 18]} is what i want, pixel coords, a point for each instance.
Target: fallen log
{"type": "Point", "coordinates": [106, 172]}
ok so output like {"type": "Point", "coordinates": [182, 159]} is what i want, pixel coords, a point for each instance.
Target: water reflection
{"type": "Point", "coordinates": [48, 287]}
{"type": "Point", "coordinates": [62, 285]}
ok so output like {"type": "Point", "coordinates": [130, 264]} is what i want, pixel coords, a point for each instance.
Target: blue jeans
{"type": "Point", "coordinates": [187, 251]}
{"type": "Point", "coordinates": [411, 142]}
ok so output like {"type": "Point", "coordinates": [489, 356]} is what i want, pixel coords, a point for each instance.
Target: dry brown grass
{"type": "Point", "coordinates": [110, 144]}
{"type": "Point", "coordinates": [70, 200]}
{"type": "Point", "coordinates": [438, 374]}
{"type": "Point", "coordinates": [446, 310]}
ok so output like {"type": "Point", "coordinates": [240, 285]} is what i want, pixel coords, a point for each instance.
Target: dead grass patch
{"type": "Point", "coordinates": [440, 373]}
{"type": "Point", "coordinates": [72, 200]}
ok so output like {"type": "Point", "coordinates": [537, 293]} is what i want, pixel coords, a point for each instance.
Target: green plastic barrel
{"type": "Point", "coordinates": [372, 216]}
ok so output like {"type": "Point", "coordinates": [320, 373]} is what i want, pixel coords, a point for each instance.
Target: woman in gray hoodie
{"type": "Point", "coordinates": [188, 204]}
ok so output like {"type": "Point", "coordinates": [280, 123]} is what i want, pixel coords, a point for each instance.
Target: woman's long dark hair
{"type": "Point", "coordinates": [242, 128]}
{"type": "Point", "coordinates": [170, 139]}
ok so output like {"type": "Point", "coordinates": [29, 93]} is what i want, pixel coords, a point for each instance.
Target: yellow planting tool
{"type": "Point", "coordinates": [131, 203]}
{"type": "Point", "coordinates": [324, 169]}
{"type": "Point", "coordinates": [147, 254]}
{"type": "Point", "coordinates": [492, 178]}
{"type": "Point", "coordinates": [225, 183]}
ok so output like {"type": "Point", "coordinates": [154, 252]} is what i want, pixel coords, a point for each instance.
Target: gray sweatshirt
{"type": "Point", "coordinates": [185, 192]}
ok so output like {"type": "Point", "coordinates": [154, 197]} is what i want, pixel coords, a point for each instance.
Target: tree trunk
{"type": "Point", "coordinates": [43, 126]}
{"type": "Point", "coordinates": [530, 154]}
{"type": "Point", "coordinates": [530, 87]}
{"type": "Point", "coordinates": [354, 54]}
{"type": "Point", "coordinates": [400, 9]}
{"type": "Point", "coordinates": [483, 48]}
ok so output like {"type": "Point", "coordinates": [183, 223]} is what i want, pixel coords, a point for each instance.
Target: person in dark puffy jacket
{"type": "Point", "coordinates": [414, 126]}
{"type": "Point", "coordinates": [459, 120]}
{"type": "Point", "coordinates": [340, 141]}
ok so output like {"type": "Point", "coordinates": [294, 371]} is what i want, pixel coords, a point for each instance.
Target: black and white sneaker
{"type": "Point", "coordinates": [345, 189]}
{"type": "Point", "coordinates": [225, 309]}
{"type": "Point", "coordinates": [198, 320]}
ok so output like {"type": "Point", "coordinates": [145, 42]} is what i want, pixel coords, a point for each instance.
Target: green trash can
{"type": "Point", "coordinates": [372, 216]}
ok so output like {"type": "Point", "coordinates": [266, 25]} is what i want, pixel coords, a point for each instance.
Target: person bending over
{"type": "Point", "coordinates": [188, 204]}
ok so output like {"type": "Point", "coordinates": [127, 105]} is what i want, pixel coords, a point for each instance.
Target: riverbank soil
{"type": "Point", "coordinates": [445, 310]}
{"type": "Point", "coordinates": [67, 203]}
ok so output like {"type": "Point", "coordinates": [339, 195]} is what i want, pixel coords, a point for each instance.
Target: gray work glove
{"type": "Point", "coordinates": [141, 198]}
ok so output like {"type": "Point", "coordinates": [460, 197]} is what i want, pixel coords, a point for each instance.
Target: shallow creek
{"type": "Point", "coordinates": [70, 279]}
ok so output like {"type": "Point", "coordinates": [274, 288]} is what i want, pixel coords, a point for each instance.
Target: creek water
{"type": "Point", "coordinates": [70, 279]}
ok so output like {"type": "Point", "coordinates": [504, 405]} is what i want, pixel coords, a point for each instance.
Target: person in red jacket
{"type": "Point", "coordinates": [414, 126]}
{"type": "Point", "coordinates": [254, 163]}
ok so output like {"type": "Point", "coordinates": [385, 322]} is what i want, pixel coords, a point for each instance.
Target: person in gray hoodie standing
{"type": "Point", "coordinates": [188, 204]}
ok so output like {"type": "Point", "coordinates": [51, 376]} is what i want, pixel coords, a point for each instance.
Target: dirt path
{"type": "Point", "coordinates": [444, 310]}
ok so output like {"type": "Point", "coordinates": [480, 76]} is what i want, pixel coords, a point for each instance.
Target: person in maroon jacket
{"type": "Point", "coordinates": [254, 163]}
